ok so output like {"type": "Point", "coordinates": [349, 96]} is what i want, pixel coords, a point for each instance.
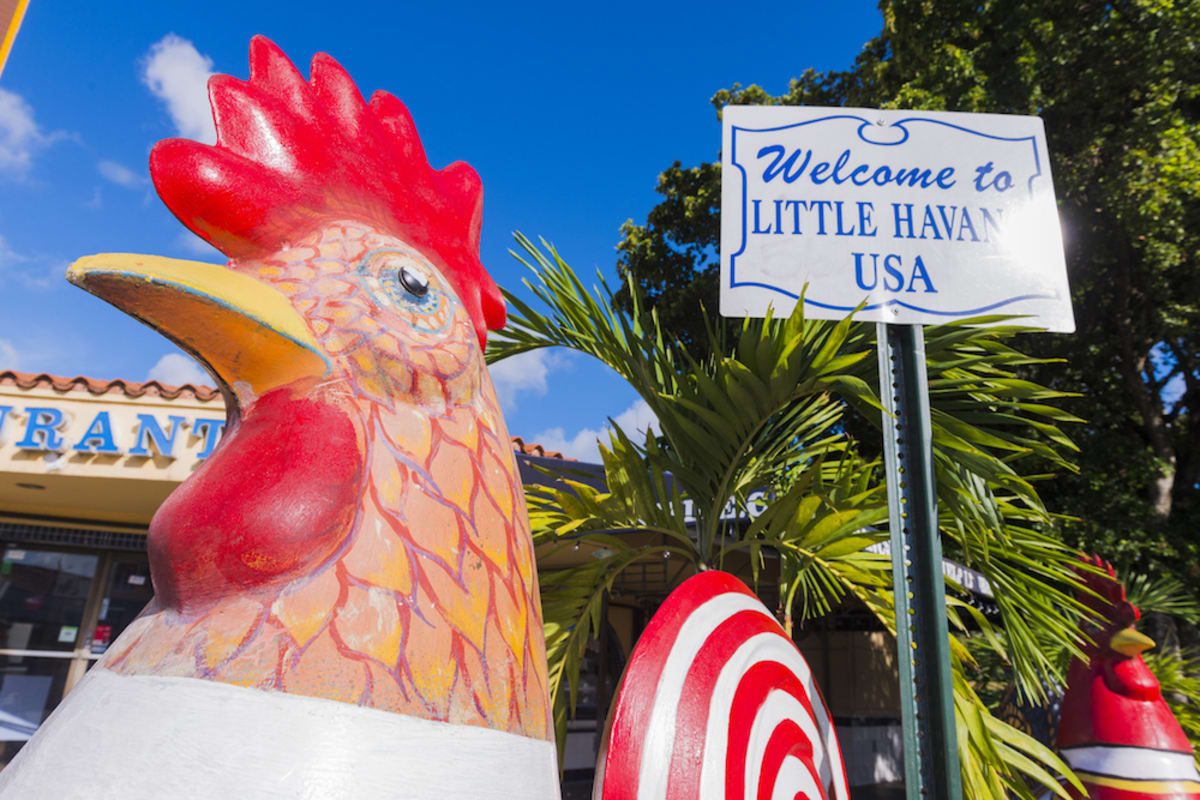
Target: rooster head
{"type": "Point", "coordinates": [1116, 636]}
{"type": "Point", "coordinates": [349, 255]}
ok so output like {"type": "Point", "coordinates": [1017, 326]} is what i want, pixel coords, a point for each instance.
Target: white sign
{"type": "Point", "coordinates": [927, 217]}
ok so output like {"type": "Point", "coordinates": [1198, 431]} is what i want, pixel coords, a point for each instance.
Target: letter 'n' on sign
{"type": "Point", "coordinates": [150, 432]}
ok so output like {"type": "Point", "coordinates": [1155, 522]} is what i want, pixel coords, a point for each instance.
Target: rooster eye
{"type": "Point", "coordinates": [413, 282]}
{"type": "Point", "coordinates": [398, 280]}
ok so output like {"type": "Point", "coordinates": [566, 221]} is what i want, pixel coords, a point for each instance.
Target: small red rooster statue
{"type": "Point", "coordinates": [346, 603]}
{"type": "Point", "coordinates": [1116, 731]}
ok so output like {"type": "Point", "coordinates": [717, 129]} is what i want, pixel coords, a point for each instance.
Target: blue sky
{"type": "Point", "coordinates": [568, 113]}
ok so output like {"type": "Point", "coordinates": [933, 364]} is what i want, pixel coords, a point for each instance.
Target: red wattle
{"type": "Point", "coordinates": [1116, 700]}
{"type": "Point", "coordinates": [277, 498]}
{"type": "Point", "coordinates": [1131, 677]}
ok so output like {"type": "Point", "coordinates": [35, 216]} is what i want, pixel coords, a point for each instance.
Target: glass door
{"type": "Point", "coordinates": [127, 593]}
{"type": "Point", "coordinates": [43, 598]}
{"type": "Point", "coordinates": [59, 612]}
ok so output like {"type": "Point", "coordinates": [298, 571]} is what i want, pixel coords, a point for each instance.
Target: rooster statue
{"type": "Point", "coordinates": [1116, 731]}
{"type": "Point", "coordinates": [346, 604]}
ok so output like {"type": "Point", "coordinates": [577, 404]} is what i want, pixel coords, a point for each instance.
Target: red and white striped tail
{"type": "Point", "coordinates": [718, 704]}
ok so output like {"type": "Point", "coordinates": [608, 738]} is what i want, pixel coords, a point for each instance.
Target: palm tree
{"type": "Point", "coordinates": [774, 412]}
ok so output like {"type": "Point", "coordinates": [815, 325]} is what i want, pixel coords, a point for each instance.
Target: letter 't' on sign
{"type": "Point", "coordinates": [926, 217]}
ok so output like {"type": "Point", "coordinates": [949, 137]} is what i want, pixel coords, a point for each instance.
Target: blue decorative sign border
{"type": "Point", "coordinates": [868, 125]}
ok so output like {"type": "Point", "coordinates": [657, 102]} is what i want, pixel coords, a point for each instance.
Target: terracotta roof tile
{"type": "Point", "coordinates": [30, 380]}
{"type": "Point", "coordinates": [533, 449]}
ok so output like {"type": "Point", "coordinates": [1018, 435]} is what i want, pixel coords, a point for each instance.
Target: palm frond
{"type": "Point", "coordinates": [1163, 594]}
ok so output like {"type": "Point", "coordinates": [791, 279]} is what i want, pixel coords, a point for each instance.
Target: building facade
{"type": "Point", "coordinates": [83, 466]}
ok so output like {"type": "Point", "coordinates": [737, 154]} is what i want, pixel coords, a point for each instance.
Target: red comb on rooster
{"type": "Point", "coordinates": [1116, 731]}
{"type": "Point", "coordinates": [293, 155]}
{"type": "Point", "coordinates": [346, 603]}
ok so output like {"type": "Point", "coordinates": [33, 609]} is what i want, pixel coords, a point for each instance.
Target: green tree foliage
{"type": "Point", "coordinates": [1118, 85]}
{"type": "Point", "coordinates": [767, 410]}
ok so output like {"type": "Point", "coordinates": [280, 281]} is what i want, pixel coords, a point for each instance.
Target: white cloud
{"type": "Point", "coordinates": [9, 357]}
{"type": "Point", "coordinates": [638, 418]}
{"type": "Point", "coordinates": [44, 274]}
{"type": "Point", "coordinates": [32, 272]}
{"type": "Point", "coordinates": [120, 174]}
{"type": "Point", "coordinates": [634, 420]}
{"type": "Point", "coordinates": [523, 373]}
{"type": "Point", "coordinates": [176, 369]}
{"type": "Point", "coordinates": [36, 272]}
{"type": "Point", "coordinates": [20, 136]}
{"type": "Point", "coordinates": [581, 446]}
{"type": "Point", "coordinates": [177, 73]}
{"type": "Point", "coordinates": [8, 256]}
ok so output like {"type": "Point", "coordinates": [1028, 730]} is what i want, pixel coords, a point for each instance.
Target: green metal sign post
{"type": "Point", "coordinates": [931, 769]}
{"type": "Point", "coordinates": [904, 218]}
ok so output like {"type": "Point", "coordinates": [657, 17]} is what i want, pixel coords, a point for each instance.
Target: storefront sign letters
{"type": "Point", "coordinates": [52, 429]}
{"type": "Point", "coordinates": [922, 217]}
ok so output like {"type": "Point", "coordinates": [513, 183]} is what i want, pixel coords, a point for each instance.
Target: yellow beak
{"type": "Point", "coordinates": [1130, 643]}
{"type": "Point", "coordinates": [246, 332]}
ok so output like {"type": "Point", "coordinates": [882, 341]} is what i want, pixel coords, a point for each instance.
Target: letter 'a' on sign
{"type": "Point", "coordinates": [926, 217]}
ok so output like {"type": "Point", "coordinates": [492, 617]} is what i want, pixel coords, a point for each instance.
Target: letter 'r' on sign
{"type": "Point", "coordinates": [923, 217]}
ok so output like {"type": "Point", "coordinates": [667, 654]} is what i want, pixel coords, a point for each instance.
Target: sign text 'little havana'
{"type": "Point", "coordinates": [925, 217]}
